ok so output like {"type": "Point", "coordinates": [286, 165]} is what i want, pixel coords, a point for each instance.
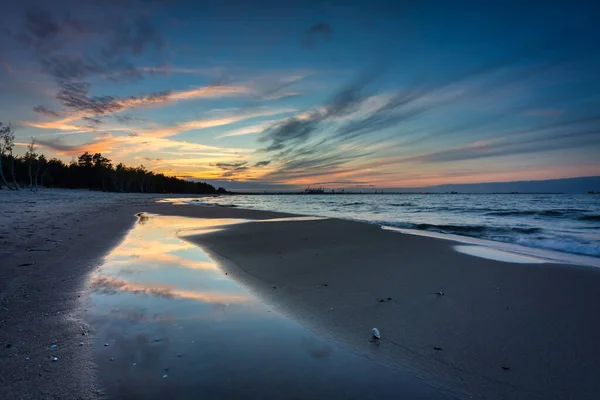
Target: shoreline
{"type": "Point", "coordinates": [499, 330]}
{"type": "Point", "coordinates": [52, 240]}
{"type": "Point", "coordinates": [545, 337]}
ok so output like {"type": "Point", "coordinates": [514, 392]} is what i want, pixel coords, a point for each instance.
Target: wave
{"type": "Point", "coordinates": [566, 245]}
{"type": "Point", "coordinates": [400, 204]}
{"type": "Point", "coordinates": [356, 203]}
{"type": "Point", "coordinates": [589, 218]}
{"type": "Point", "coordinates": [468, 230]}
{"type": "Point", "coordinates": [529, 237]}
{"type": "Point", "coordinates": [526, 230]}
{"type": "Point", "coordinates": [544, 213]}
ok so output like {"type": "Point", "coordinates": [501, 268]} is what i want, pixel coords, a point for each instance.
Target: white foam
{"type": "Point", "coordinates": [291, 219]}
{"type": "Point", "coordinates": [548, 256]}
{"type": "Point", "coordinates": [498, 255]}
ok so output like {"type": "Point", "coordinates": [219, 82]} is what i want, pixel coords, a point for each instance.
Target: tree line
{"type": "Point", "coordinates": [90, 171]}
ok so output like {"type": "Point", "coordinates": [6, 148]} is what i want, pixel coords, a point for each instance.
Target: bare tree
{"type": "Point", "coordinates": [31, 156]}
{"type": "Point", "coordinates": [4, 131]}
{"type": "Point", "coordinates": [7, 142]}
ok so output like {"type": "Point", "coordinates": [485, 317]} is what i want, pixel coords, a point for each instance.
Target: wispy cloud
{"type": "Point", "coordinates": [227, 119]}
{"type": "Point", "coordinates": [247, 130]}
{"type": "Point", "coordinates": [45, 111]}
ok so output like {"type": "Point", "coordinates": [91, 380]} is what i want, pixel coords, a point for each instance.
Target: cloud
{"type": "Point", "coordinates": [74, 44]}
{"type": "Point", "coordinates": [126, 145]}
{"type": "Point", "coordinates": [58, 145]}
{"type": "Point", "coordinates": [544, 113]}
{"type": "Point", "coordinates": [296, 130]}
{"type": "Point", "coordinates": [232, 166]}
{"type": "Point", "coordinates": [45, 111]}
{"type": "Point", "coordinates": [316, 33]}
{"type": "Point", "coordinates": [126, 119]}
{"type": "Point", "coordinates": [210, 92]}
{"type": "Point", "coordinates": [507, 147]}
{"type": "Point", "coordinates": [247, 130]}
{"type": "Point", "coordinates": [75, 96]}
{"type": "Point", "coordinates": [262, 163]}
{"type": "Point", "coordinates": [226, 119]}
{"type": "Point", "coordinates": [214, 72]}
{"type": "Point", "coordinates": [94, 122]}
{"type": "Point", "coordinates": [332, 138]}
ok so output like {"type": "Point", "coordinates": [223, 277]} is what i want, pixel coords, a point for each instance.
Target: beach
{"type": "Point", "coordinates": [469, 326]}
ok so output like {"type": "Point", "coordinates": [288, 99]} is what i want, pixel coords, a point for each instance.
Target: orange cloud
{"type": "Point", "coordinates": [211, 123]}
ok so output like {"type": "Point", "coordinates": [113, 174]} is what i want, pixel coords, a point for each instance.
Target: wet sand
{"type": "Point", "coordinates": [499, 330]}
{"type": "Point", "coordinates": [168, 323]}
{"type": "Point", "coordinates": [476, 327]}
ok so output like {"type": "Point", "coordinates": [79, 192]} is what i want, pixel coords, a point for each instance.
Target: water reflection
{"type": "Point", "coordinates": [168, 322]}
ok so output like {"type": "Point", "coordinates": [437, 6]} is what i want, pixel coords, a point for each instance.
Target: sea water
{"type": "Point", "coordinates": [559, 222]}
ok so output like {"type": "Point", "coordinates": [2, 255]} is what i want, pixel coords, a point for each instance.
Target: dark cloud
{"type": "Point", "coordinates": [92, 121]}
{"type": "Point", "coordinates": [76, 43]}
{"type": "Point", "coordinates": [262, 163]}
{"type": "Point", "coordinates": [75, 96]}
{"type": "Point", "coordinates": [125, 119]}
{"type": "Point", "coordinates": [229, 166]}
{"type": "Point", "coordinates": [316, 33]}
{"type": "Point", "coordinates": [57, 145]}
{"type": "Point", "coordinates": [232, 168]}
{"type": "Point", "coordinates": [152, 159]}
{"type": "Point", "coordinates": [45, 111]}
{"type": "Point", "coordinates": [295, 131]}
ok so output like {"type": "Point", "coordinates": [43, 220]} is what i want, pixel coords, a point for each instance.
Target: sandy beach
{"type": "Point", "coordinates": [469, 326]}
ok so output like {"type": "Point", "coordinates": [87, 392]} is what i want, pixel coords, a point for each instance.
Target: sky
{"type": "Point", "coordinates": [277, 95]}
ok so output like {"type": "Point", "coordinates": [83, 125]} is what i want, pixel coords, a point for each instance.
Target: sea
{"type": "Point", "coordinates": [564, 223]}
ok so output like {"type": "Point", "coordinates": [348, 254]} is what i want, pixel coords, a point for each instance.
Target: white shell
{"type": "Point", "coordinates": [376, 333]}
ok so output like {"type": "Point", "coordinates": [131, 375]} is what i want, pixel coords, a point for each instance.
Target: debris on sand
{"type": "Point", "coordinates": [375, 334]}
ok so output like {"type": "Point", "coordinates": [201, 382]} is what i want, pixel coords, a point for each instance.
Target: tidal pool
{"type": "Point", "coordinates": [169, 324]}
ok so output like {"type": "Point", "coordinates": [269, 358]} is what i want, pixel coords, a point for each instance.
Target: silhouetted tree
{"type": "Point", "coordinates": [30, 157]}
{"type": "Point", "coordinates": [96, 172]}
{"type": "Point", "coordinates": [5, 132]}
{"type": "Point", "coordinates": [41, 166]}
{"type": "Point", "coordinates": [8, 138]}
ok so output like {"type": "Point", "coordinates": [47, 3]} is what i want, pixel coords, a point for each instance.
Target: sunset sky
{"type": "Point", "coordinates": [280, 95]}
